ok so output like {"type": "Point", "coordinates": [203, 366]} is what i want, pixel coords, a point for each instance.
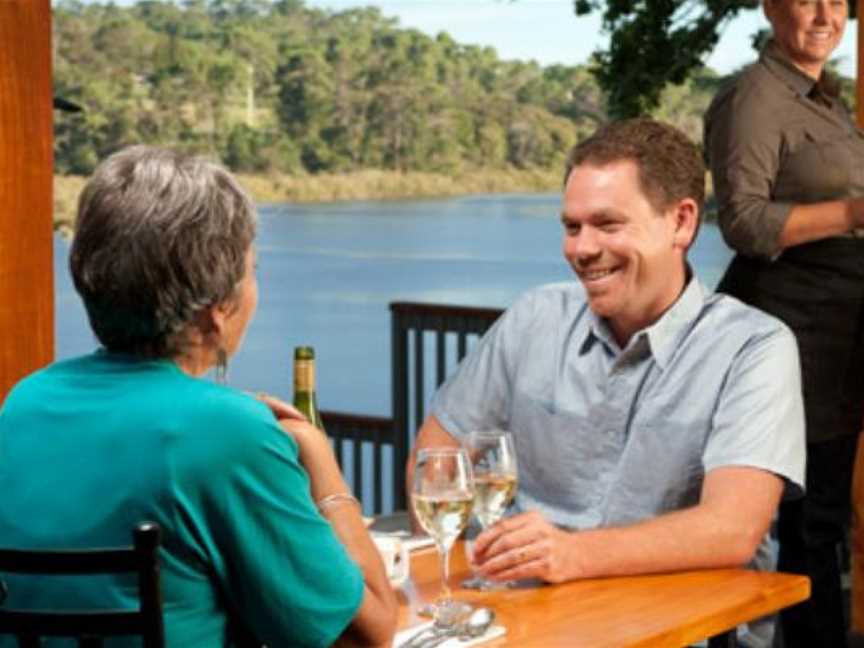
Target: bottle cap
{"type": "Point", "coordinates": [304, 353]}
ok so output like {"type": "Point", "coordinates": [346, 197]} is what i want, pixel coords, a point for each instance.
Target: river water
{"type": "Point", "coordinates": [327, 273]}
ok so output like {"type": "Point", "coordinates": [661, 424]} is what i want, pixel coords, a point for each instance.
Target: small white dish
{"type": "Point", "coordinates": [394, 555]}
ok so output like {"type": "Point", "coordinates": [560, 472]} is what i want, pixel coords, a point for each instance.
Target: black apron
{"type": "Point", "coordinates": [817, 289]}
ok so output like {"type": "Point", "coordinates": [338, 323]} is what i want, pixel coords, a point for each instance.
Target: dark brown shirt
{"type": "Point", "coordinates": [775, 138]}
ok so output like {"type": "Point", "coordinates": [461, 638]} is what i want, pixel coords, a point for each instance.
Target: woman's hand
{"type": "Point", "coordinates": [281, 410]}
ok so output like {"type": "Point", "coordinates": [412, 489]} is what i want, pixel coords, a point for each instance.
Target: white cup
{"type": "Point", "coordinates": [394, 555]}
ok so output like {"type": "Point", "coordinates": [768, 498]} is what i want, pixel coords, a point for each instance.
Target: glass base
{"type": "Point", "coordinates": [446, 613]}
{"type": "Point", "coordinates": [480, 583]}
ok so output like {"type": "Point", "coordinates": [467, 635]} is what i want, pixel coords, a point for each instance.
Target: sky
{"type": "Point", "coordinates": [549, 32]}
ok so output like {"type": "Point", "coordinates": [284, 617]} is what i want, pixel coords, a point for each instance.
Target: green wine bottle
{"type": "Point", "coordinates": [305, 399]}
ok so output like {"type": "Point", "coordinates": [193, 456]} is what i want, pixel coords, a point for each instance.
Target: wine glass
{"type": "Point", "coordinates": [493, 457]}
{"type": "Point", "coordinates": [442, 495]}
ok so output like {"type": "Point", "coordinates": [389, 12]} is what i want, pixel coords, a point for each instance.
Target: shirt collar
{"type": "Point", "coordinates": [664, 336]}
{"type": "Point", "coordinates": [667, 334]}
{"type": "Point", "coordinates": [773, 58]}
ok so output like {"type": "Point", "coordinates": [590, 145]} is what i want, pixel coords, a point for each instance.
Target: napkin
{"type": "Point", "coordinates": [418, 542]}
{"type": "Point", "coordinates": [411, 542]}
{"type": "Point", "coordinates": [493, 632]}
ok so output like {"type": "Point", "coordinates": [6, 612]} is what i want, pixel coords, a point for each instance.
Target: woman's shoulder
{"type": "Point", "coordinates": [224, 408]}
{"type": "Point", "coordinates": [754, 89]}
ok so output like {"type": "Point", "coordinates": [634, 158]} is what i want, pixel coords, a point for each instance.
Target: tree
{"type": "Point", "coordinates": [654, 43]}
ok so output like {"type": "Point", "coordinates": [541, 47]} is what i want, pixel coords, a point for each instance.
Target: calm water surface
{"type": "Point", "coordinates": [327, 273]}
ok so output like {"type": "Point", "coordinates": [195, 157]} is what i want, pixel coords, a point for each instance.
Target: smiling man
{"type": "Point", "coordinates": [656, 425]}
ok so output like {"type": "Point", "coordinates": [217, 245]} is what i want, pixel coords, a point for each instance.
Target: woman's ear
{"type": "Point", "coordinates": [686, 223]}
{"type": "Point", "coordinates": [207, 326]}
{"type": "Point", "coordinates": [768, 8]}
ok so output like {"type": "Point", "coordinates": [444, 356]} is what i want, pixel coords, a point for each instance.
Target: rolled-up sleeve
{"type": "Point", "coordinates": [743, 144]}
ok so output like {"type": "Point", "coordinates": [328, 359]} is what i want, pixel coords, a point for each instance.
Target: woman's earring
{"type": "Point", "coordinates": [221, 367]}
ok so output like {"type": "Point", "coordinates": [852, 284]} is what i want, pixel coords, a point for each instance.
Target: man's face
{"type": "Point", "coordinates": [808, 30]}
{"type": "Point", "coordinates": [628, 256]}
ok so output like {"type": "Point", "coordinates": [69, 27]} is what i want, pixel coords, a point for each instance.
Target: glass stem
{"type": "Point", "coordinates": [444, 563]}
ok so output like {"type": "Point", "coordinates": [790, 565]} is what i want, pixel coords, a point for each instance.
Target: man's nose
{"type": "Point", "coordinates": [822, 10]}
{"type": "Point", "coordinates": [586, 244]}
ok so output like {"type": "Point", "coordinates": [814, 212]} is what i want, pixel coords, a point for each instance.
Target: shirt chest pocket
{"type": "Point", "coordinates": [566, 459]}
{"type": "Point", "coordinates": [815, 165]}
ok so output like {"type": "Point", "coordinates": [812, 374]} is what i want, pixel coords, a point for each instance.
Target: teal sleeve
{"type": "Point", "coordinates": [279, 563]}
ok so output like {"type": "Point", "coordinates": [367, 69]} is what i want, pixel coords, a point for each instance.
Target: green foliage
{"type": "Point", "coordinates": [654, 43]}
{"type": "Point", "coordinates": [274, 86]}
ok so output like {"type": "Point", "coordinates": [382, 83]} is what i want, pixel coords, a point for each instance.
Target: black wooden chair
{"type": "Point", "coordinates": [428, 340]}
{"type": "Point", "coordinates": [89, 627]}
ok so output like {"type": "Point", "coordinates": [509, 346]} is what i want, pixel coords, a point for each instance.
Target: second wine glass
{"type": "Point", "coordinates": [493, 458]}
{"type": "Point", "coordinates": [442, 495]}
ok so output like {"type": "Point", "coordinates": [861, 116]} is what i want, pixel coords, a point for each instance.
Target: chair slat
{"type": "Point", "coordinates": [90, 626]}
{"type": "Point", "coordinates": [90, 561]}
{"type": "Point", "coordinates": [418, 378]}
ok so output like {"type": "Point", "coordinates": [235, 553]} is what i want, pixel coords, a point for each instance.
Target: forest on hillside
{"type": "Point", "coordinates": [275, 86]}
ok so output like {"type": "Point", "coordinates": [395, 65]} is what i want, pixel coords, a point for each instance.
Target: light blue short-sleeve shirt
{"type": "Point", "coordinates": [608, 436]}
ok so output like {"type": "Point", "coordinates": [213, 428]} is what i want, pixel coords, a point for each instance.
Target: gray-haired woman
{"type": "Point", "coordinates": [163, 258]}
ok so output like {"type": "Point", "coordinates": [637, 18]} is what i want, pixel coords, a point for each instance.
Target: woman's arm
{"type": "Point", "coordinates": [375, 622]}
{"type": "Point", "coordinates": [743, 142]}
{"type": "Point", "coordinates": [816, 221]}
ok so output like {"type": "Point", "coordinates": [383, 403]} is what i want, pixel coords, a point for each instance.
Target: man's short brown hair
{"type": "Point", "coordinates": [670, 165]}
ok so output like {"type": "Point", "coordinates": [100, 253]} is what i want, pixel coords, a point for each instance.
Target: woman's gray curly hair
{"type": "Point", "coordinates": [160, 235]}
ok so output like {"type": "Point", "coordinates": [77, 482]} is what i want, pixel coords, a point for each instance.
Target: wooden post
{"type": "Point", "coordinates": [859, 65]}
{"type": "Point", "coordinates": [26, 176]}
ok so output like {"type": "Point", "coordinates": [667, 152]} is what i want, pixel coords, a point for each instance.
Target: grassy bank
{"type": "Point", "coordinates": [362, 185]}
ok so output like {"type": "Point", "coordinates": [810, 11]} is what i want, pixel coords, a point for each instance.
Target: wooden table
{"type": "Point", "coordinates": [659, 610]}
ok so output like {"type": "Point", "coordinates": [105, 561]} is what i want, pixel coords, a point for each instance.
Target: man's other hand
{"type": "Point", "coordinates": [526, 546]}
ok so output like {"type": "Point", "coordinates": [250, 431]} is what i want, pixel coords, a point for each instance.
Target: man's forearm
{"type": "Point", "coordinates": [693, 538]}
{"type": "Point", "coordinates": [723, 530]}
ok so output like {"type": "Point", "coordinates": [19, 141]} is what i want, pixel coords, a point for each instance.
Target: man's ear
{"type": "Point", "coordinates": [686, 220]}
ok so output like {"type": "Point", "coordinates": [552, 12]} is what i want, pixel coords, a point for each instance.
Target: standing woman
{"type": "Point", "coordinates": [788, 169]}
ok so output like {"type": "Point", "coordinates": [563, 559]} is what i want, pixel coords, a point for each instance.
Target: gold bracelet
{"type": "Point", "coordinates": [330, 501]}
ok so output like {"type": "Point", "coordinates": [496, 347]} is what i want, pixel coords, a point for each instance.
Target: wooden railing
{"type": "Point", "coordinates": [428, 341]}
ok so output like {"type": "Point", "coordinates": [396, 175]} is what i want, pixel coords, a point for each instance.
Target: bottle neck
{"type": "Point", "coordinates": [304, 376]}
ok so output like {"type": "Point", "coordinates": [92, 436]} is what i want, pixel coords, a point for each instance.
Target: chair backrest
{"type": "Point", "coordinates": [90, 627]}
{"type": "Point", "coordinates": [428, 341]}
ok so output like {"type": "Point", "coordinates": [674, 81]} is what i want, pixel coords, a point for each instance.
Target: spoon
{"type": "Point", "coordinates": [478, 623]}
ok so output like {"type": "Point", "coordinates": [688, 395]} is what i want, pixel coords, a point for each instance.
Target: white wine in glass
{"type": "Point", "coordinates": [493, 457]}
{"type": "Point", "coordinates": [442, 496]}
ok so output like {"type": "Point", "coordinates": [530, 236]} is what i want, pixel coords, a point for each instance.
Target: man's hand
{"type": "Point", "coordinates": [526, 546]}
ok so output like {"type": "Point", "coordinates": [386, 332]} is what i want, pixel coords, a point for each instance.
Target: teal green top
{"type": "Point", "coordinates": [93, 445]}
